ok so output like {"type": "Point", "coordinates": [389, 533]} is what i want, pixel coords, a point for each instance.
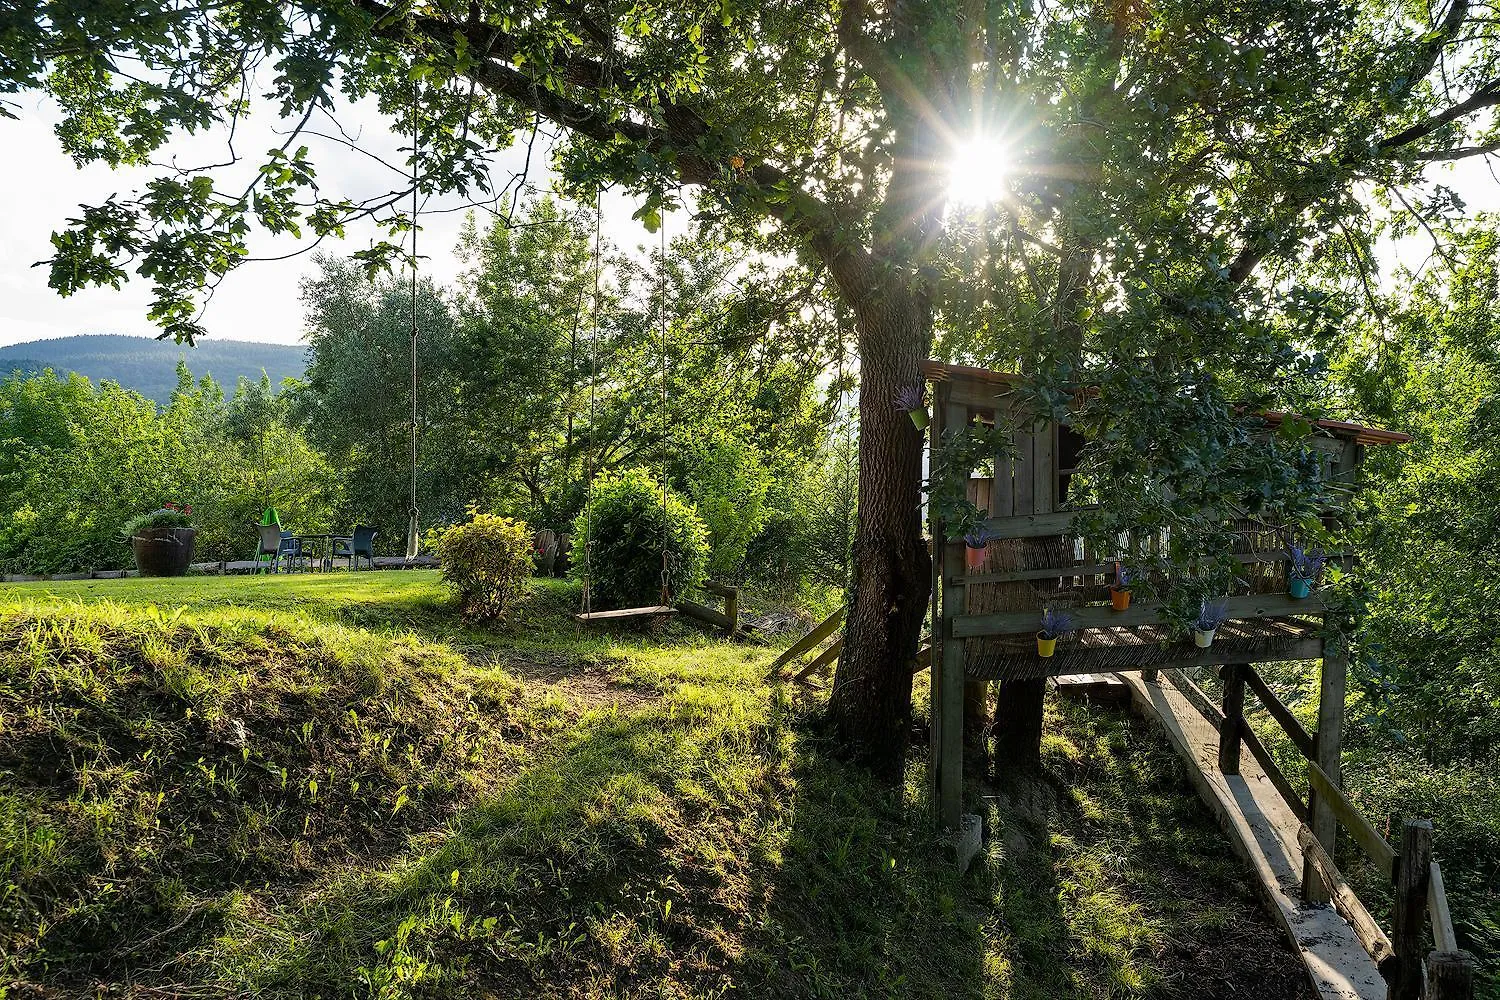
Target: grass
{"type": "Point", "coordinates": [334, 786]}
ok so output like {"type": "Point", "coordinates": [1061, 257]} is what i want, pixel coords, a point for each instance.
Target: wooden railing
{"type": "Point", "coordinates": [728, 619]}
{"type": "Point", "coordinates": [1419, 896]}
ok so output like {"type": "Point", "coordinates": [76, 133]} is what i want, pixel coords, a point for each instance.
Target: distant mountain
{"type": "Point", "coordinates": [150, 366]}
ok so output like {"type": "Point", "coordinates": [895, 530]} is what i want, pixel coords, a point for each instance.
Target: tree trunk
{"type": "Point", "coordinates": [870, 705]}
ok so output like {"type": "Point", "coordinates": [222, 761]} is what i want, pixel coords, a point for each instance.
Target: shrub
{"type": "Point", "coordinates": [623, 519]}
{"type": "Point", "coordinates": [728, 481]}
{"type": "Point", "coordinates": [486, 559]}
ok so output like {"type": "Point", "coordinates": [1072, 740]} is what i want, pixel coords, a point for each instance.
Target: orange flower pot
{"type": "Point", "coordinates": [974, 559]}
{"type": "Point", "coordinates": [1119, 599]}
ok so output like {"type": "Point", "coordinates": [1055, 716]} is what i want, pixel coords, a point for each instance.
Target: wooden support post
{"type": "Point", "coordinates": [948, 678]}
{"type": "Point", "coordinates": [1232, 730]}
{"type": "Point", "coordinates": [1371, 937]}
{"type": "Point", "coordinates": [1450, 975]}
{"type": "Point", "coordinates": [1409, 911]}
{"type": "Point", "coordinates": [1327, 745]}
{"type": "Point", "coordinates": [1149, 675]}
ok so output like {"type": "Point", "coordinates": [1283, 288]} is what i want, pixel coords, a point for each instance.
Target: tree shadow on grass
{"type": "Point", "coordinates": [700, 846]}
{"type": "Point", "coordinates": [1153, 898]}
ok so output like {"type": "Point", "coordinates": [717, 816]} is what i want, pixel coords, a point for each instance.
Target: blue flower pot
{"type": "Point", "coordinates": [1298, 588]}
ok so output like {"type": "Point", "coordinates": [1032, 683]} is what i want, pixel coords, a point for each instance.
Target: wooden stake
{"type": "Point", "coordinates": [1450, 975]}
{"type": "Point", "coordinates": [1409, 912]}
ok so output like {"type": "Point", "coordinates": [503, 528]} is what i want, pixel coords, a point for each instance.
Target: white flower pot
{"type": "Point", "coordinates": [1202, 639]}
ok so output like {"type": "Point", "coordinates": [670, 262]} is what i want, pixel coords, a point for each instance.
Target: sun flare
{"type": "Point", "coordinates": [976, 174]}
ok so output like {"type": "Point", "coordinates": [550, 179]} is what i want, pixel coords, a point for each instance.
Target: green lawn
{"type": "Point", "coordinates": [333, 786]}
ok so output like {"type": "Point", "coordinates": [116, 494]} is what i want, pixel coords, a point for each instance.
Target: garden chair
{"type": "Point", "coordinates": [268, 549]}
{"type": "Point", "coordinates": [290, 551]}
{"type": "Point", "coordinates": [360, 543]}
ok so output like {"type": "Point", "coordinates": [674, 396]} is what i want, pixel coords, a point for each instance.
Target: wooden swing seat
{"type": "Point", "coordinates": [625, 614]}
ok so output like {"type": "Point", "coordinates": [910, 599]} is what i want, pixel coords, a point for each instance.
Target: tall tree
{"type": "Point", "coordinates": [1172, 165]}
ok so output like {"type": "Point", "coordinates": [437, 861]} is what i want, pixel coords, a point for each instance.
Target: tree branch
{"type": "Point", "coordinates": [681, 133]}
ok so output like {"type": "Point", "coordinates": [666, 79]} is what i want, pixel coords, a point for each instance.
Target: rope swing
{"type": "Point", "coordinates": [588, 503]}
{"type": "Point", "coordinates": [665, 605]}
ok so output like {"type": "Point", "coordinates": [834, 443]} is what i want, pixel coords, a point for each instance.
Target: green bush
{"type": "Point", "coordinates": [625, 525]}
{"type": "Point", "coordinates": [728, 481]}
{"type": "Point", "coordinates": [486, 559]}
{"type": "Point", "coordinates": [80, 460]}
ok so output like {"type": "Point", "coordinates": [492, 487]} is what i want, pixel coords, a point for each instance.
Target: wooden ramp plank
{"type": "Point", "coordinates": [1263, 830]}
{"type": "Point", "coordinates": [625, 613]}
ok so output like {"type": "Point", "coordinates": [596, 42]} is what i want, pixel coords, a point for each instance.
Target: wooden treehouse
{"type": "Point", "coordinates": [986, 611]}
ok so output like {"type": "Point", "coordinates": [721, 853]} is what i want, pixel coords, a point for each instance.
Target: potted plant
{"type": "Point", "coordinates": [162, 540]}
{"type": "Point", "coordinates": [975, 551]}
{"type": "Point", "coordinates": [1211, 615]}
{"type": "Point", "coordinates": [1054, 624]}
{"type": "Point", "coordinates": [1302, 569]}
{"type": "Point", "coordinates": [910, 400]}
{"type": "Point", "coordinates": [1119, 591]}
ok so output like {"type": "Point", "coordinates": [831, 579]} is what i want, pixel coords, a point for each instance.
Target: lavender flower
{"type": "Point", "coordinates": [909, 398]}
{"type": "Point", "coordinates": [1211, 615]}
{"type": "Point", "coordinates": [1303, 563]}
{"type": "Point", "coordinates": [1055, 623]}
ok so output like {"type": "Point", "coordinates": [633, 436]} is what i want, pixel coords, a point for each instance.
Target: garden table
{"type": "Point", "coordinates": [318, 546]}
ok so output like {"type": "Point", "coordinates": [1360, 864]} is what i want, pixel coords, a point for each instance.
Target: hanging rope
{"type": "Point", "coordinates": [588, 503]}
{"type": "Point", "coordinates": [413, 542]}
{"type": "Point", "coordinates": [661, 328]}
{"type": "Point", "coordinates": [847, 432]}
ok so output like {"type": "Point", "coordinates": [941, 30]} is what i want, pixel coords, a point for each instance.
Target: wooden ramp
{"type": "Point", "coordinates": [1263, 830]}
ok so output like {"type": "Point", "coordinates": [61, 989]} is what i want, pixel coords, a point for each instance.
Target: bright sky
{"type": "Point", "coordinates": [259, 300]}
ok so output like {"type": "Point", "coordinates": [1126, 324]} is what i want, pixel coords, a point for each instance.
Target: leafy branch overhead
{"type": "Point", "coordinates": [1248, 122]}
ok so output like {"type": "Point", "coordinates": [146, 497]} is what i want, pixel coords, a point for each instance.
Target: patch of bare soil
{"type": "Point", "coordinates": [587, 682]}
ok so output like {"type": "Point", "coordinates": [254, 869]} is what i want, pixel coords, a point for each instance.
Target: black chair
{"type": "Point", "coordinates": [360, 543]}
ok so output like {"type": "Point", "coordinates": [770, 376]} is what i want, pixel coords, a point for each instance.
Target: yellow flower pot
{"type": "Point", "coordinates": [1045, 647]}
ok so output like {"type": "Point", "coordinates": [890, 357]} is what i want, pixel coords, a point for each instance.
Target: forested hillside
{"type": "Point", "coordinates": [150, 366]}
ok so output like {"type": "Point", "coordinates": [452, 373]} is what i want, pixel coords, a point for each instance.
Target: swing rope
{"type": "Point", "coordinates": [588, 504]}
{"type": "Point", "coordinates": [413, 542]}
{"type": "Point", "coordinates": [661, 327]}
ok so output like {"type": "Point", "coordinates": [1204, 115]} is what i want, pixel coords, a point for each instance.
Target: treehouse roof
{"type": "Point", "coordinates": [939, 371]}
